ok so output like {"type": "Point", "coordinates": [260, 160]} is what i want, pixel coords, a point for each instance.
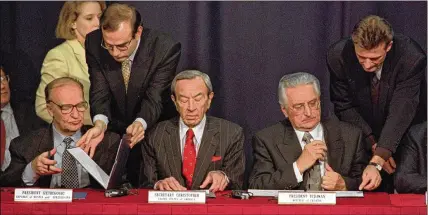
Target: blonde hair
{"type": "Point", "coordinates": [371, 31]}
{"type": "Point", "coordinates": [69, 13]}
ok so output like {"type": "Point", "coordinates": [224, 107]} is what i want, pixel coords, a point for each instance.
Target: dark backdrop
{"type": "Point", "coordinates": [245, 47]}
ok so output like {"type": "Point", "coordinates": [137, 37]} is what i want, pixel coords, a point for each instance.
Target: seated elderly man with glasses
{"type": "Point", "coordinates": [40, 158]}
{"type": "Point", "coordinates": [304, 152]}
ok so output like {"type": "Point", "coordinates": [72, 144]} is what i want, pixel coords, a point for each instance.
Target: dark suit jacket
{"type": "Point", "coordinates": [276, 148]}
{"type": "Point", "coordinates": [152, 71]}
{"type": "Point", "coordinates": [400, 99]}
{"type": "Point", "coordinates": [26, 118]}
{"type": "Point", "coordinates": [28, 146]}
{"type": "Point", "coordinates": [411, 174]}
{"type": "Point", "coordinates": [162, 154]}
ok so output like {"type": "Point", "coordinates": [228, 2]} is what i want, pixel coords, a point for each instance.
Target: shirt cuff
{"type": "Point", "coordinates": [154, 187]}
{"type": "Point", "coordinates": [142, 121]}
{"type": "Point", "coordinates": [383, 153]}
{"type": "Point", "coordinates": [227, 178]}
{"type": "Point", "coordinates": [29, 177]}
{"type": "Point", "coordinates": [299, 176]}
{"type": "Point", "coordinates": [101, 117]}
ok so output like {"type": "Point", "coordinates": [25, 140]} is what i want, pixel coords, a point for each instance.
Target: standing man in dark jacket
{"type": "Point", "coordinates": [376, 82]}
{"type": "Point", "coordinates": [130, 69]}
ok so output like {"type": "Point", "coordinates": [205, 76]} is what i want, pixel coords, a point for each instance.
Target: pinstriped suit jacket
{"type": "Point", "coordinates": [162, 153]}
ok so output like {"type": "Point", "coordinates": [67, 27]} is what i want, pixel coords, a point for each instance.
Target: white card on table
{"type": "Point", "coordinates": [43, 195]}
{"type": "Point", "coordinates": [307, 198]}
{"type": "Point", "coordinates": [188, 197]}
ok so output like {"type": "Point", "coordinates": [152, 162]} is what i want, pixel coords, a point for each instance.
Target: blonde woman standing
{"type": "Point", "coordinates": [76, 20]}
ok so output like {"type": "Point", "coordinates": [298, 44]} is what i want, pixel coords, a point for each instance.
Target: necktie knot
{"type": "Point", "coordinates": [67, 142]}
{"type": "Point", "coordinates": [190, 134]}
{"type": "Point", "coordinates": [307, 137]}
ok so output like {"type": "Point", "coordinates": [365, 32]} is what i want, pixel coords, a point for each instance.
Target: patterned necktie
{"type": "Point", "coordinates": [314, 173]}
{"type": "Point", "coordinates": [189, 160]}
{"type": "Point", "coordinates": [126, 72]}
{"type": "Point", "coordinates": [69, 176]}
{"type": "Point", "coordinates": [3, 139]}
{"type": "Point", "coordinates": [375, 89]}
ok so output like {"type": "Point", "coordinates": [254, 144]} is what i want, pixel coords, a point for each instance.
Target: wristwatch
{"type": "Point", "coordinates": [377, 166]}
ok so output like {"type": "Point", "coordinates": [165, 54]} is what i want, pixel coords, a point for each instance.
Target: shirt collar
{"type": "Point", "coordinates": [7, 109]}
{"type": "Point", "coordinates": [198, 130]}
{"type": "Point", "coordinates": [131, 58]}
{"type": "Point", "coordinates": [58, 137]}
{"type": "Point", "coordinates": [316, 133]}
{"type": "Point", "coordinates": [379, 72]}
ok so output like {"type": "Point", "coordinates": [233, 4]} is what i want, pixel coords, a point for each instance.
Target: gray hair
{"type": "Point", "coordinates": [293, 80]}
{"type": "Point", "coordinates": [191, 74]}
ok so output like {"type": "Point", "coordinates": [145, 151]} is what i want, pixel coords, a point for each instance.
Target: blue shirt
{"type": "Point", "coordinates": [30, 177]}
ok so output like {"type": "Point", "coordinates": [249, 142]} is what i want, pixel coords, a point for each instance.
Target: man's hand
{"type": "Point", "coordinates": [169, 184]}
{"type": "Point", "coordinates": [136, 132]}
{"type": "Point", "coordinates": [217, 179]}
{"type": "Point", "coordinates": [371, 178]}
{"type": "Point", "coordinates": [42, 165]}
{"type": "Point", "coordinates": [90, 140]}
{"type": "Point", "coordinates": [389, 166]}
{"type": "Point", "coordinates": [332, 180]}
{"type": "Point", "coordinates": [316, 150]}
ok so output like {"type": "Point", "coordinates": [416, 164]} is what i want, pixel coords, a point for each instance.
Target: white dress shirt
{"type": "Point", "coordinates": [11, 132]}
{"type": "Point", "coordinates": [317, 134]}
{"type": "Point", "coordinates": [30, 177]}
{"type": "Point", "coordinates": [197, 130]}
{"type": "Point", "coordinates": [103, 117]}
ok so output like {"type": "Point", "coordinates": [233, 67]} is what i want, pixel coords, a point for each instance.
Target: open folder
{"type": "Point", "coordinates": [115, 178]}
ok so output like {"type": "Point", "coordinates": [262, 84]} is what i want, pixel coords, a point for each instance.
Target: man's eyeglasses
{"type": "Point", "coordinates": [120, 47]}
{"type": "Point", "coordinates": [4, 78]}
{"type": "Point", "coordinates": [300, 108]}
{"type": "Point", "coordinates": [67, 108]}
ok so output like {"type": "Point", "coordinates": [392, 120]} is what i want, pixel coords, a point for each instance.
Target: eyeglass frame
{"type": "Point", "coordinates": [72, 106]}
{"type": "Point", "coordinates": [4, 78]}
{"type": "Point", "coordinates": [301, 109]}
{"type": "Point", "coordinates": [126, 47]}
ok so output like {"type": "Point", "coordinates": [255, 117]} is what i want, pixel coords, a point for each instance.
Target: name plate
{"type": "Point", "coordinates": [307, 198]}
{"type": "Point", "coordinates": [43, 195]}
{"type": "Point", "coordinates": [188, 197]}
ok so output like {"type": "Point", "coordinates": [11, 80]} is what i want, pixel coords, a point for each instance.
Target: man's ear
{"type": "Point", "coordinates": [284, 110]}
{"type": "Point", "coordinates": [139, 31]}
{"type": "Point", "coordinates": [389, 46]}
{"type": "Point", "coordinates": [49, 109]}
{"type": "Point", "coordinates": [210, 98]}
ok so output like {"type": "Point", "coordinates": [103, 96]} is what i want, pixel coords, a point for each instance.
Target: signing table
{"type": "Point", "coordinates": [96, 203]}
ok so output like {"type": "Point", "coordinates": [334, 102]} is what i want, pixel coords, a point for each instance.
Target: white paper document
{"type": "Point", "coordinates": [105, 180]}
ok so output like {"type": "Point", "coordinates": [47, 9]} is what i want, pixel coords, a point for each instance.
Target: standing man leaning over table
{"type": "Point", "coordinates": [193, 151]}
{"type": "Point", "coordinates": [376, 80]}
{"type": "Point", "coordinates": [130, 68]}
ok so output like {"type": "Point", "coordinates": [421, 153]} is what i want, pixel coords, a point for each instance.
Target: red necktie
{"type": "Point", "coordinates": [375, 89]}
{"type": "Point", "coordinates": [189, 160]}
{"type": "Point", "coordinates": [3, 140]}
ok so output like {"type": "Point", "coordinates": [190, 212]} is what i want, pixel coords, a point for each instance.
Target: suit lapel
{"type": "Point", "coordinates": [113, 74]}
{"type": "Point", "coordinates": [140, 68]}
{"type": "Point", "coordinates": [206, 151]}
{"type": "Point", "coordinates": [171, 143]}
{"type": "Point", "coordinates": [45, 143]}
{"type": "Point", "coordinates": [79, 53]}
{"type": "Point", "coordinates": [384, 85]}
{"type": "Point", "coordinates": [334, 143]}
{"type": "Point", "coordinates": [288, 144]}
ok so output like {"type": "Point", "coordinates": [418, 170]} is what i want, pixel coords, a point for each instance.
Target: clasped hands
{"type": "Point", "coordinates": [217, 179]}
{"type": "Point", "coordinates": [314, 151]}
{"type": "Point", "coordinates": [90, 140]}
